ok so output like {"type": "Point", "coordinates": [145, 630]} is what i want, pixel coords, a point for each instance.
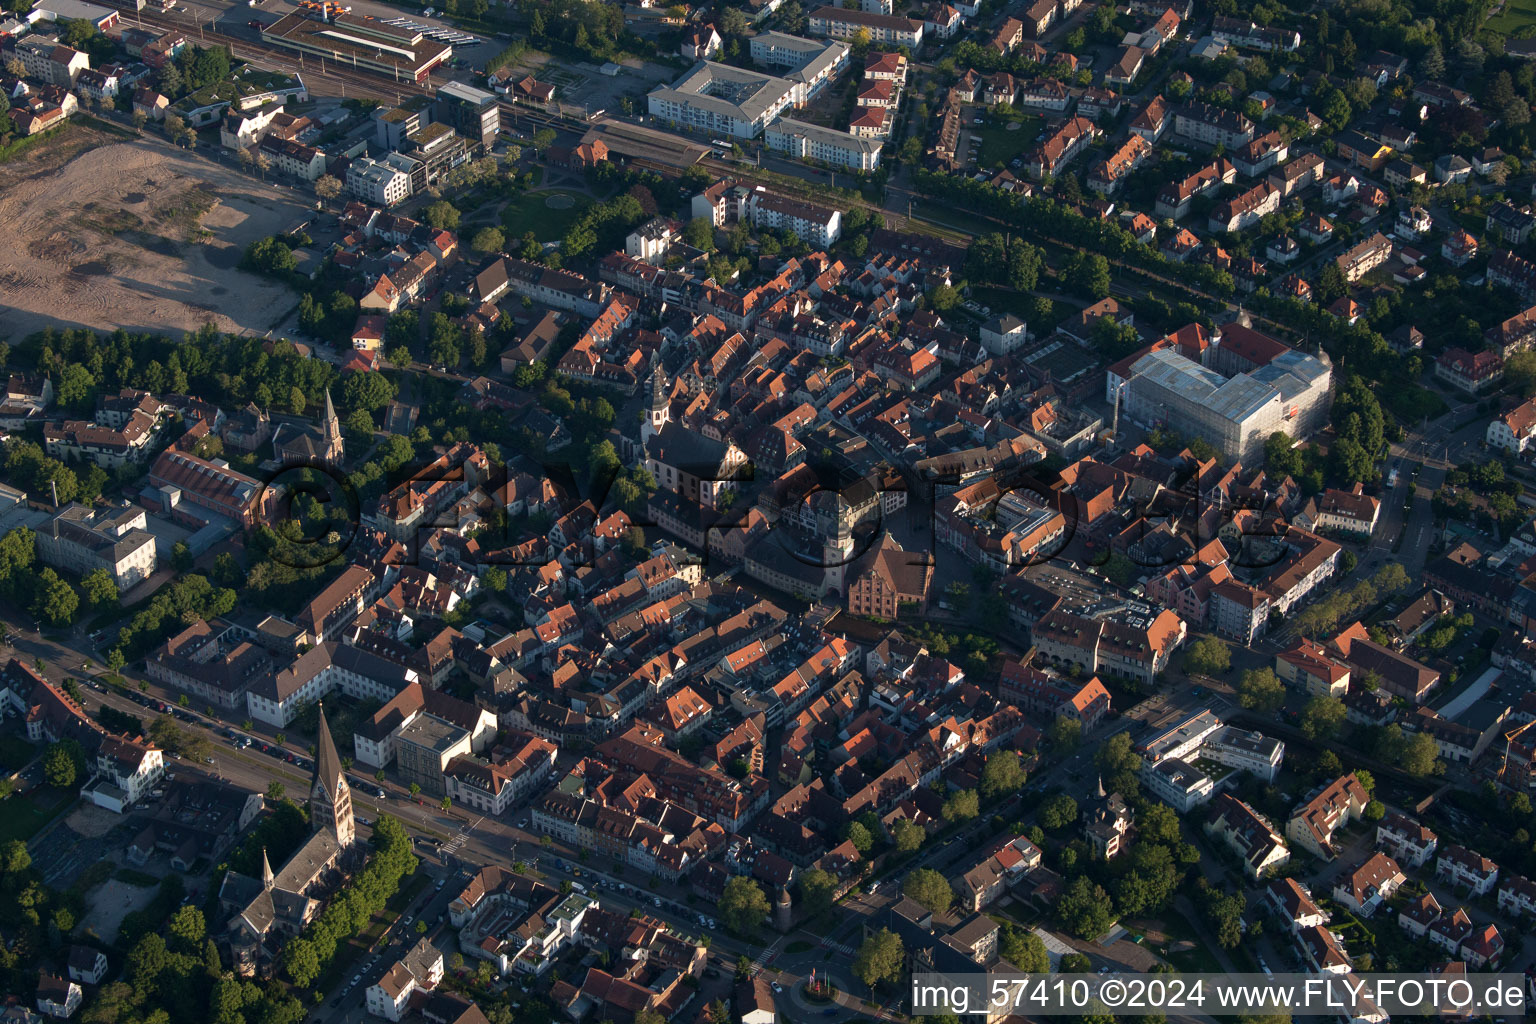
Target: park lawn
{"type": "Point", "coordinates": [26, 813]}
{"type": "Point", "coordinates": [1000, 146]}
{"type": "Point", "coordinates": [1516, 14]}
{"type": "Point", "coordinates": [529, 212]}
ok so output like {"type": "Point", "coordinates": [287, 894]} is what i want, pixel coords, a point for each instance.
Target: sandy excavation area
{"type": "Point", "coordinates": [135, 234]}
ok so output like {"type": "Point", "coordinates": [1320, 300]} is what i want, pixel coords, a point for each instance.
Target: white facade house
{"type": "Point", "coordinates": [806, 141]}
{"type": "Point", "coordinates": [380, 182]}
{"type": "Point", "coordinates": [58, 997]}
{"type": "Point", "coordinates": [1408, 842]}
{"type": "Point", "coordinates": [1003, 334]}
{"type": "Point", "coordinates": [420, 969]}
{"type": "Point", "coordinates": [328, 666]}
{"type": "Point", "coordinates": [1459, 866]}
{"type": "Point", "coordinates": [1515, 430]}
{"type": "Point", "coordinates": [883, 29]}
{"type": "Point", "coordinates": [1245, 750]}
{"type": "Point", "coordinates": [82, 539]}
{"type": "Point", "coordinates": [125, 772]}
{"type": "Point", "coordinates": [492, 787]}
{"type": "Point", "coordinates": [819, 226]}
{"type": "Point", "coordinates": [723, 100]}
{"type": "Point", "coordinates": [1178, 784]}
{"type": "Point", "coordinates": [650, 241]}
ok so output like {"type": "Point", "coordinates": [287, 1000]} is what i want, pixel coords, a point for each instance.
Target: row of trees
{"type": "Point", "coordinates": [1325, 616]}
{"type": "Point", "coordinates": [349, 911]}
{"type": "Point", "coordinates": [1045, 219]}
{"type": "Point", "coordinates": [227, 369]}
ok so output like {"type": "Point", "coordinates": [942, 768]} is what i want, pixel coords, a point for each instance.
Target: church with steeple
{"type": "Point", "coordinates": [299, 444]}
{"type": "Point", "coordinates": [265, 912]}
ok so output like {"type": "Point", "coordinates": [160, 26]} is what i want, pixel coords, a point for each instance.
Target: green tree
{"type": "Point", "coordinates": [1087, 274]}
{"type": "Point", "coordinates": [187, 930]}
{"type": "Point", "coordinates": [488, 240]}
{"type": "Point", "coordinates": [56, 601]}
{"type": "Point", "coordinates": [700, 233]}
{"type": "Point", "coordinates": [1002, 774]}
{"type": "Point", "coordinates": [14, 858]}
{"type": "Point", "coordinates": [1024, 261]}
{"type": "Point", "coordinates": [743, 906]}
{"type": "Point", "coordinates": [881, 958]}
{"type": "Point", "coordinates": [1322, 718]}
{"type": "Point", "coordinates": [1118, 763]}
{"type": "Point", "coordinates": [301, 962]}
{"type": "Point", "coordinates": [1208, 656]}
{"type": "Point", "coordinates": [1420, 754]}
{"type": "Point", "coordinates": [961, 806]}
{"type": "Point", "coordinates": [1331, 285]}
{"type": "Point", "coordinates": [1065, 733]}
{"type": "Point", "coordinates": [18, 550]}
{"type": "Point", "coordinates": [275, 791]}
{"type": "Point", "coordinates": [927, 887]}
{"type": "Point", "coordinates": [1225, 912]}
{"type": "Point", "coordinates": [59, 768]}
{"type": "Point", "coordinates": [907, 835]}
{"type": "Point", "coordinates": [817, 889]}
{"type": "Point", "coordinates": [1259, 689]}
{"type": "Point", "coordinates": [442, 215]}
{"type": "Point", "coordinates": [1114, 340]}
{"type": "Point", "coordinates": [1084, 909]}
{"type": "Point", "coordinates": [860, 837]}
{"type": "Point", "coordinates": [1058, 811]}
{"type": "Point", "coordinates": [1024, 949]}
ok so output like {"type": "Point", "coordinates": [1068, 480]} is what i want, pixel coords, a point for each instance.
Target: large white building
{"type": "Point", "coordinates": [1237, 414]}
{"type": "Point", "coordinates": [1178, 784]}
{"type": "Point", "coordinates": [808, 63]}
{"type": "Point", "coordinates": [882, 29]}
{"type": "Point", "coordinates": [81, 539]}
{"type": "Point", "coordinates": [382, 182]}
{"type": "Point", "coordinates": [808, 141]}
{"type": "Point", "coordinates": [819, 226]}
{"type": "Point", "coordinates": [276, 697]}
{"type": "Point", "coordinates": [493, 786]}
{"type": "Point", "coordinates": [1245, 750]}
{"type": "Point", "coordinates": [723, 100]}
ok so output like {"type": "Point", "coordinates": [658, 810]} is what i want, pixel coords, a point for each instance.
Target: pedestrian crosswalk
{"type": "Point", "coordinates": [838, 947]}
{"type": "Point", "coordinates": [460, 837]}
{"type": "Point", "coordinates": [766, 955]}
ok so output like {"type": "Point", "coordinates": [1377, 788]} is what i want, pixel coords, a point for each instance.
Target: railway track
{"type": "Point", "coordinates": [349, 82]}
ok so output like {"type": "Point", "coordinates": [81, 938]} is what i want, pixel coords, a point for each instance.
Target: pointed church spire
{"type": "Point", "coordinates": [330, 798]}
{"type": "Point", "coordinates": [327, 763]}
{"type": "Point", "coordinates": [266, 870]}
{"type": "Point", "coordinates": [1102, 795]}
{"type": "Point", "coordinates": [332, 424]}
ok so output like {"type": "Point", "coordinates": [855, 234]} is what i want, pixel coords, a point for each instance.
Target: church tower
{"type": "Point", "coordinates": [330, 798]}
{"type": "Point", "coordinates": [267, 881]}
{"type": "Point", "coordinates": [331, 433]}
{"type": "Point", "coordinates": [659, 413]}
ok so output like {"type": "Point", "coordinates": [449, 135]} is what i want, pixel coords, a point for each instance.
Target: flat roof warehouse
{"type": "Point", "coordinates": [363, 43]}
